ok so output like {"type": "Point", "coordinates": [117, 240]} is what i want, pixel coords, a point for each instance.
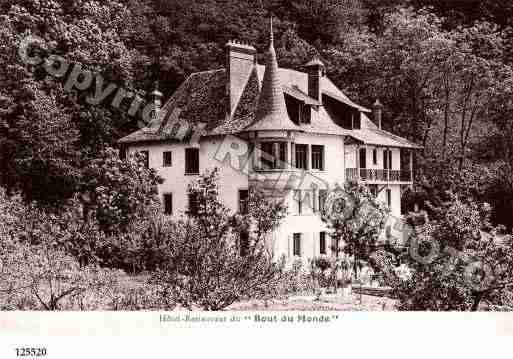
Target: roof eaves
{"type": "Point", "coordinates": [406, 142]}
{"type": "Point", "coordinates": [345, 101]}
{"type": "Point", "coordinates": [295, 92]}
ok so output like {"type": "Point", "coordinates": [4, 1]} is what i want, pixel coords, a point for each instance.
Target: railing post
{"type": "Point", "coordinates": [358, 163]}
{"type": "Point", "coordinates": [292, 156]}
{"type": "Point", "coordinates": [389, 162]}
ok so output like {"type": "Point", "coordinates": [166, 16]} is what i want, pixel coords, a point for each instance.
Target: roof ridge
{"type": "Point", "coordinates": [206, 72]}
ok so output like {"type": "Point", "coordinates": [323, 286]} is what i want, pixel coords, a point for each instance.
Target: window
{"type": "Point", "coordinates": [363, 157]}
{"type": "Point", "coordinates": [373, 188]}
{"type": "Point", "coordinates": [356, 120]}
{"type": "Point", "coordinates": [191, 161]}
{"type": "Point", "coordinates": [323, 195]}
{"type": "Point", "coordinates": [146, 157]}
{"type": "Point", "coordinates": [301, 156]}
{"type": "Point", "coordinates": [375, 156]}
{"type": "Point", "coordinates": [243, 243]}
{"type": "Point", "coordinates": [336, 247]}
{"type": "Point", "coordinates": [297, 245]}
{"type": "Point", "coordinates": [389, 197]}
{"type": "Point", "coordinates": [306, 114]}
{"type": "Point", "coordinates": [168, 203]}
{"type": "Point", "coordinates": [299, 201]}
{"type": "Point", "coordinates": [322, 243]}
{"type": "Point", "coordinates": [270, 159]}
{"type": "Point", "coordinates": [167, 160]}
{"type": "Point", "coordinates": [283, 154]}
{"type": "Point", "coordinates": [387, 159]}
{"type": "Point", "coordinates": [243, 201]}
{"type": "Point", "coordinates": [318, 157]}
{"type": "Point", "coordinates": [193, 204]}
{"type": "Point", "coordinates": [267, 158]}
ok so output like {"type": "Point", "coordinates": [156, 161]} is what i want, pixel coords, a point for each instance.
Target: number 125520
{"type": "Point", "coordinates": [30, 352]}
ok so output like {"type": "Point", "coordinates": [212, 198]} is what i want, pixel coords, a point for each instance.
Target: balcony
{"type": "Point", "coordinates": [378, 175]}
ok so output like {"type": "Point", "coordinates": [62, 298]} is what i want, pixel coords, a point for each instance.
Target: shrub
{"type": "Point", "coordinates": [457, 261]}
{"type": "Point", "coordinates": [36, 277]}
{"type": "Point", "coordinates": [120, 192]}
{"type": "Point", "coordinates": [356, 218]}
{"type": "Point", "coordinates": [210, 264]}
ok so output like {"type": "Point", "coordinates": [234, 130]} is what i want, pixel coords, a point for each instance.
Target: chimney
{"type": "Point", "coordinates": [377, 110]}
{"type": "Point", "coordinates": [240, 61]}
{"type": "Point", "coordinates": [315, 69]}
{"type": "Point", "coordinates": [156, 97]}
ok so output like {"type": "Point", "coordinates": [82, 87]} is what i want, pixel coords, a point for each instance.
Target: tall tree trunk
{"type": "Point", "coordinates": [446, 122]}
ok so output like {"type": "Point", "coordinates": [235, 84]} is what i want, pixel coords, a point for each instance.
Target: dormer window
{"type": "Point", "coordinates": [356, 120]}
{"type": "Point", "coordinates": [305, 116]}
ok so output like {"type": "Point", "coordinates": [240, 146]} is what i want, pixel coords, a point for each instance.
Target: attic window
{"type": "Point", "coordinates": [356, 120]}
{"type": "Point", "coordinates": [305, 114]}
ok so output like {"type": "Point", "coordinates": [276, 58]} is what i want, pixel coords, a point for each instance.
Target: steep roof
{"type": "Point", "coordinates": [202, 98]}
{"type": "Point", "coordinates": [271, 111]}
{"type": "Point", "coordinates": [296, 92]}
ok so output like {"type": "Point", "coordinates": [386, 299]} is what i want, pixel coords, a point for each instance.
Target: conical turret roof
{"type": "Point", "coordinates": [271, 113]}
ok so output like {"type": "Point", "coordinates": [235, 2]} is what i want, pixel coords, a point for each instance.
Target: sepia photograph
{"type": "Point", "coordinates": [208, 162]}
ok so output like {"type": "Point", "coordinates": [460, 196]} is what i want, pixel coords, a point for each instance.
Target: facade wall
{"type": "Point", "coordinates": [235, 176]}
{"type": "Point", "coordinates": [351, 154]}
{"type": "Point", "coordinates": [176, 182]}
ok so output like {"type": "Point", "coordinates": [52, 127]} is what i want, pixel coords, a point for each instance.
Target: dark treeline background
{"type": "Point", "coordinates": [441, 68]}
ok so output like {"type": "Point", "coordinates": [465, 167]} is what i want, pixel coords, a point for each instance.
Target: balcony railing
{"type": "Point", "coordinates": [377, 175]}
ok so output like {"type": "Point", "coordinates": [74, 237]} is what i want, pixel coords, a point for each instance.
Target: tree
{"type": "Point", "coordinates": [47, 134]}
{"type": "Point", "coordinates": [356, 219]}
{"type": "Point", "coordinates": [120, 192]}
{"type": "Point", "coordinates": [215, 258]}
{"type": "Point", "coordinates": [458, 261]}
